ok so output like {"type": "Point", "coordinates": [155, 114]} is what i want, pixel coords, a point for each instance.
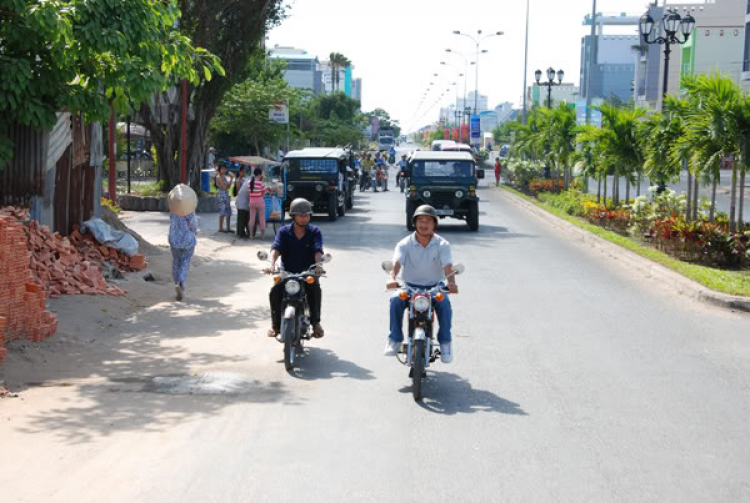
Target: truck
{"type": "Point", "coordinates": [386, 139]}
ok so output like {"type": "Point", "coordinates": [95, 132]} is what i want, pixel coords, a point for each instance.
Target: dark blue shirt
{"type": "Point", "coordinates": [298, 255]}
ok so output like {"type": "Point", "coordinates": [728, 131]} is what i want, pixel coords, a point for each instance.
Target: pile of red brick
{"type": "Point", "coordinates": [22, 300]}
{"type": "Point", "coordinates": [61, 267]}
{"type": "Point", "coordinates": [94, 252]}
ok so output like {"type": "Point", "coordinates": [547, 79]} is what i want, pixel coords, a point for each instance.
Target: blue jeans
{"type": "Point", "coordinates": [442, 309]}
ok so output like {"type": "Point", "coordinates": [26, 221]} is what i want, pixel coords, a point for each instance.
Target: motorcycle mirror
{"type": "Point", "coordinates": [262, 256]}
{"type": "Point", "coordinates": [459, 269]}
{"type": "Point", "coordinates": [327, 257]}
{"type": "Point", "coordinates": [387, 266]}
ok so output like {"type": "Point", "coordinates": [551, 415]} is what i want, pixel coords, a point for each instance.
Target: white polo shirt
{"type": "Point", "coordinates": [420, 265]}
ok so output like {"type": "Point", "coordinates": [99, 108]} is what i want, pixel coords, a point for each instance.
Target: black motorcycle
{"type": "Point", "coordinates": [419, 347]}
{"type": "Point", "coordinates": [295, 309]}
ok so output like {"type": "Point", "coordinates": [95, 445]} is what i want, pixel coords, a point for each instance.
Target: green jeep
{"type": "Point", "coordinates": [447, 181]}
{"type": "Point", "coordinates": [323, 176]}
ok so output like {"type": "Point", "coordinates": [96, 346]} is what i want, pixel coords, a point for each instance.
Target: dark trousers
{"type": "Point", "coordinates": [243, 217]}
{"type": "Point", "coordinates": [314, 298]}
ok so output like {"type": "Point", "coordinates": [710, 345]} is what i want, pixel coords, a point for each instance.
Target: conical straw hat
{"type": "Point", "coordinates": [182, 200]}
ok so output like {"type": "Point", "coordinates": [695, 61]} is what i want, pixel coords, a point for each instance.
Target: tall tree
{"type": "Point", "coordinates": [337, 62]}
{"type": "Point", "coordinates": [88, 56]}
{"type": "Point", "coordinates": [231, 29]}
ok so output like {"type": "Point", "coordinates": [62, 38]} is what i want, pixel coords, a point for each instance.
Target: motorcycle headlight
{"type": "Point", "coordinates": [292, 287]}
{"type": "Point", "coordinates": [426, 193]}
{"type": "Point", "coordinates": [459, 194]}
{"type": "Point", "coordinates": [421, 304]}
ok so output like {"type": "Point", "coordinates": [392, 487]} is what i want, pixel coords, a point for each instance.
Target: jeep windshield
{"type": "Point", "coordinates": [443, 169]}
{"type": "Point", "coordinates": [314, 166]}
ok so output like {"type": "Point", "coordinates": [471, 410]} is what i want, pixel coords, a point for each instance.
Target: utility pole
{"type": "Point", "coordinates": [592, 56]}
{"type": "Point", "coordinates": [526, 63]}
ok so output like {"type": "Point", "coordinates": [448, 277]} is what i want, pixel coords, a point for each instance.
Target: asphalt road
{"type": "Point", "coordinates": [573, 381]}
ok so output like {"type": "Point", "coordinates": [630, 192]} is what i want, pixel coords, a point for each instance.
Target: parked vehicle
{"type": "Point", "coordinates": [419, 348]}
{"type": "Point", "coordinates": [447, 181]}
{"type": "Point", "coordinates": [324, 177]}
{"type": "Point", "coordinates": [437, 145]}
{"type": "Point", "coordinates": [386, 139]}
{"type": "Point", "coordinates": [295, 318]}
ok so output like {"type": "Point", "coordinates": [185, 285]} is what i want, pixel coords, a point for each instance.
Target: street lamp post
{"type": "Point", "coordinates": [550, 83]}
{"type": "Point", "coordinates": [673, 25]}
{"type": "Point", "coordinates": [477, 41]}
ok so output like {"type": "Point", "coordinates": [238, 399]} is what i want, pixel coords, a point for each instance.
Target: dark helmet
{"type": "Point", "coordinates": [300, 206]}
{"type": "Point", "coordinates": [427, 210]}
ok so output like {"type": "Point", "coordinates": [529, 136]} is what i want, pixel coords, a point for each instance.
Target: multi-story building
{"type": "Point", "coordinates": [717, 44]}
{"type": "Point", "coordinates": [302, 70]}
{"type": "Point", "coordinates": [746, 50]}
{"type": "Point", "coordinates": [357, 89]}
{"type": "Point", "coordinates": [481, 103]}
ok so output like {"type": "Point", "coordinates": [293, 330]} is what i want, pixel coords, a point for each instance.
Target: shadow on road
{"type": "Point", "coordinates": [447, 393]}
{"type": "Point", "coordinates": [319, 363]}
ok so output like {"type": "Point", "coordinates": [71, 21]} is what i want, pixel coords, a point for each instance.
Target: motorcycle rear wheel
{"type": "Point", "coordinates": [418, 370]}
{"type": "Point", "coordinates": [290, 342]}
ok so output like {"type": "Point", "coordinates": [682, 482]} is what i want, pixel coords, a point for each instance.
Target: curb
{"type": "Point", "coordinates": [667, 277]}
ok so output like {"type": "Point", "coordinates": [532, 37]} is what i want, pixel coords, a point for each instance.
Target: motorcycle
{"type": "Point", "coordinates": [419, 348]}
{"type": "Point", "coordinates": [295, 309]}
{"type": "Point", "coordinates": [392, 159]}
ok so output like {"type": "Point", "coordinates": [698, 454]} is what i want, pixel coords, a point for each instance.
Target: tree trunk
{"type": "Point", "coordinates": [741, 213]}
{"type": "Point", "coordinates": [696, 191]}
{"type": "Point", "coordinates": [163, 136]}
{"type": "Point", "coordinates": [733, 200]}
{"type": "Point", "coordinates": [688, 209]}
{"type": "Point", "coordinates": [627, 191]}
{"type": "Point", "coordinates": [712, 211]}
{"type": "Point", "coordinates": [616, 189]}
{"type": "Point", "coordinates": [599, 191]}
{"type": "Point", "coordinates": [638, 190]}
{"type": "Point", "coordinates": [605, 190]}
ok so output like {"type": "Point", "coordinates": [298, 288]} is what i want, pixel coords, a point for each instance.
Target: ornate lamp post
{"type": "Point", "coordinates": [674, 25]}
{"type": "Point", "coordinates": [550, 83]}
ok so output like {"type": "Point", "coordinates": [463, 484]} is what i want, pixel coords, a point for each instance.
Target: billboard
{"type": "Point", "coordinates": [279, 113]}
{"type": "Point", "coordinates": [476, 131]}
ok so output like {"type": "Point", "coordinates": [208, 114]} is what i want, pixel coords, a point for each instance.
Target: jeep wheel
{"type": "Point", "coordinates": [410, 209]}
{"type": "Point", "coordinates": [333, 203]}
{"type": "Point", "coordinates": [342, 208]}
{"type": "Point", "coordinates": [473, 217]}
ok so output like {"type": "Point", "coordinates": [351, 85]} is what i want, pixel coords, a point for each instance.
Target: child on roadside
{"type": "Point", "coordinates": [257, 203]}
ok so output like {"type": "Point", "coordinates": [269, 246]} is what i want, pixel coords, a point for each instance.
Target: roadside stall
{"type": "Point", "coordinates": [274, 176]}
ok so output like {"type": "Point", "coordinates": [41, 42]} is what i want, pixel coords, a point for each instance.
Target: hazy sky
{"type": "Point", "coordinates": [397, 45]}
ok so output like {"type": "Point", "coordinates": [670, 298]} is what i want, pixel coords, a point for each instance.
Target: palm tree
{"type": "Point", "coordinates": [621, 143]}
{"type": "Point", "coordinates": [337, 62]}
{"type": "Point", "coordinates": [563, 129]}
{"type": "Point", "coordinates": [715, 103]}
{"type": "Point", "coordinates": [742, 133]}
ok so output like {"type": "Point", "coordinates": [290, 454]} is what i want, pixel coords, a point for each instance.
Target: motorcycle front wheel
{"type": "Point", "coordinates": [288, 326]}
{"type": "Point", "coordinates": [418, 369]}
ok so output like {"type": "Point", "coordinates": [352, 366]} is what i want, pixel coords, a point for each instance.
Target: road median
{"type": "Point", "coordinates": [634, 255]}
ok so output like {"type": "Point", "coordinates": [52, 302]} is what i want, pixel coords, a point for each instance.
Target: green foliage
{"type": "Point", "coordinates": [241, 124]}
{"type": "Point", "coordinates": [569, 201]}
{"type": "Point", "coordinates": [155, 189]}
{"type": "Point", "coordinates": [87, 55]}
{"type": "Point", "coordinates": [334, 120]}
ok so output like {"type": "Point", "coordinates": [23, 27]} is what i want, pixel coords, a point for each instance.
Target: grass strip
{"type": "Point", "coordinates": [730, 282]}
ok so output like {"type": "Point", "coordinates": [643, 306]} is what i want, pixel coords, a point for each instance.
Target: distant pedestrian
{"type": "Point", "coordinates": [242, 203]}
{"type": "Point", "coordinates": [498, 168]}
{"type": "Point", "coordinates": [223, 183]}
{"type": "Point", "coordinates": [257, 206]}
{"type": "Point", "coordinates": [237, 185]}
{"type": "Point", "coordinates": [183, 227]}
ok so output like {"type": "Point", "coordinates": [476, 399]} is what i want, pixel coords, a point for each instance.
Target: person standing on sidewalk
{"type": "Point", "coordinates": [256, 192]}
{"type": "Point", "coordinates": [223, 183]}
{"type": "Point", "coordinates": [242, 203]}
{"type": "Point", "coordinates": [498, 167]}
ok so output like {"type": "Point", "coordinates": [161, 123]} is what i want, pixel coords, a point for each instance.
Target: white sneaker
{"type": "Point", "coordinates": [446, 353]}
{"type": "Point", "coordinates": [392, 348]}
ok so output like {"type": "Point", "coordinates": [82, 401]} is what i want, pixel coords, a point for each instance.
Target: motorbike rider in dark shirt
{"type": "Point", "coordinates": [300, 246]}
